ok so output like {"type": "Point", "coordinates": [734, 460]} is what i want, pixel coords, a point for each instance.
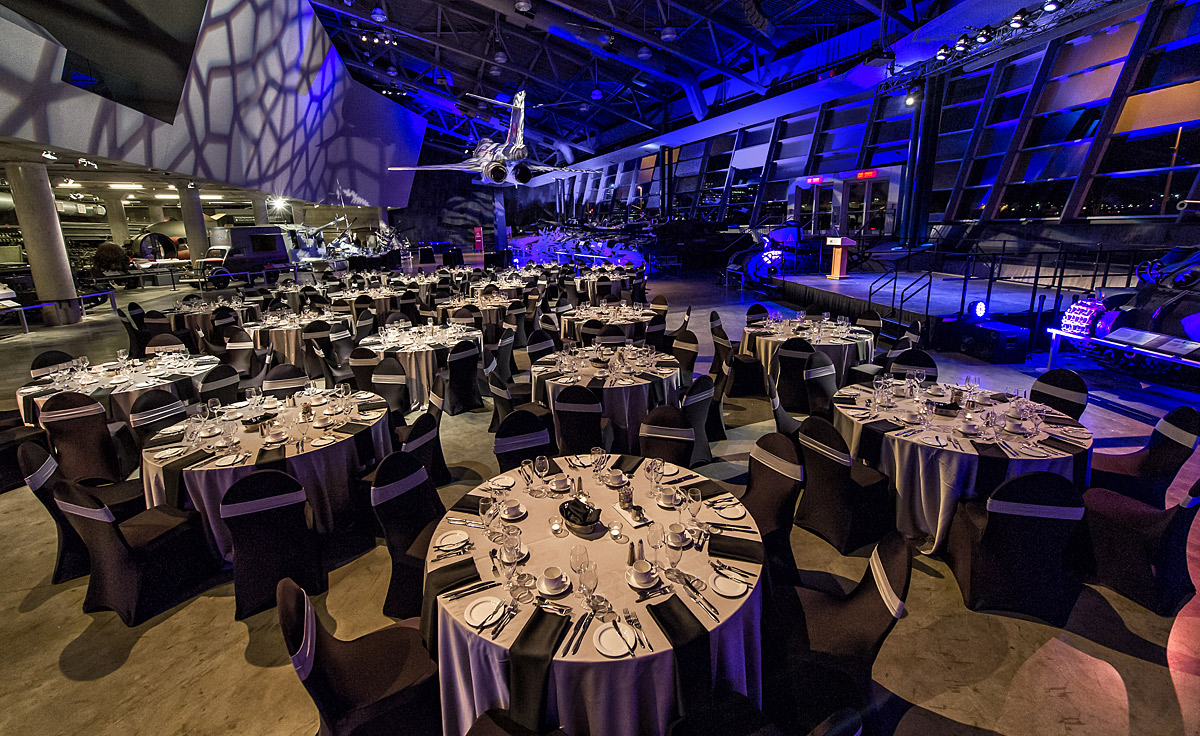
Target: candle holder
{"type": "Point", "coordinates": [557, 528]}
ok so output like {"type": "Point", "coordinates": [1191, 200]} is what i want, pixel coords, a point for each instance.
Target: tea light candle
{"type": "Point", "coordinates": [614, 530]}
{"type": "Point", "coordinates": [556, 525]}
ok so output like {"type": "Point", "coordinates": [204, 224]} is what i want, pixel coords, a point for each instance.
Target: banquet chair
{"type": "Point", "coordinates": [549, 322]}
{"type": "Point", "coordinates": [137, 315]}
{"type": "Point", "coordinates": [776, 479]}
{"type": "Point", "coordinates": [1062, 389]}
{"type": "Point", "coordinates": [589, 331]}
{"type": "Point", "coordinates": [539, 346]}
{"type": "Point", "coordinates": [571, 289]}
{"type": "Point", "coordinates": [696, 404]}
{"type": "Point", "coordinates": [41, 475]}
{"type": "Point", "coordinates": [397, 318]}
{"type": "Point", "coordinates": [714, 428]}
{"type": "Point", "coordinates": [137, 337]}
{"type": "Point", "coordinates": [669, 338]}
{"type": "Point", "coordinates": [1013, 551]}
{"type": "Point", "coordinates": [284, 380]}
{"type": "Point", "coordinates": [845, 503]}
{"type": "Point", "coordinates": [820, 384]}
{"type": "Point", "coordinates": [785, 423]}
{"type": "Point", "coordinates": [240, 353]}
{"type": "Point", "coordinates": [659, 305]}
{"type": "Point", "coordinates": [48, 361]}
{"type": "Point", "coordinates": [831, 643]}
{"type": "Point", "coordinates": [380, 683]}
{"type": "Point", "coordinates": [502, 399]}
{"type": "Point", "coordinates": [656, 332]}
{"type": "Point", "coordinates": [722, 346]}
{"type": "Point", "coordinates": [85, 443]}
{"type": "Point", "coordinates": [611, 335]}
{"type": "Point", "coordinates": [756, 313]}
{"type": "Point", "coordinates": [269, 523]}
{"type": "Point", "coordinates": [579, 424]}
{"type": "Point", "coordinates": [667, 434]}
{"type": "Point", "coordinates": [603, 289]}
{"type": "Point", "coordinates": [792, 355]}
{"type": "Point", "coordinates": [341, 342]}
{"type": "Point", "coordinates": [220, 383]}
{"type": "Point", "coordinates": [335, 360]}
{"type": "Point", "coordinates": [864, 373]}
{"type": "Point", "coordinates": [499, 722]}
{"type": "Point", "coordinates": [408, 508]}
{"type": "Point", "coordinates": [421, 439]}
{"type": "Point", "coordinates": [870, 320]}
{"type": "Point", "coordinates": [912, 359]}
{"type": "Point", "coordinates": [315, 338]}
{"type": "Point", "coordinates": [361, 303]}
{"type": "Point", "coordinates": [684, 348]}
{"type": "Point", "coordinates": [362, 363]}
{"type": "Point", "coordinates": [1147, 473]}
{"type": "Point", "coordinates": [152, 412]}
{"type": "Point", "coordinates": [164, 343]}
{"type": "Point", "coordinates": [468, 316]}
{"type": "Point", "coordinates": [223, 317]}
{"type": "Point", "coordinates": [342, 308]}
{"type": "Point", "coordinates": [462, 392]}
{"type": "Point", "coordinates": [1141, 551]}
{"type": "Point", "coordinates": [732, 714]}
{"type": "Point", "coordinates": [437, 397]}
{"type": "Point", "coordinates": [514, 319]}
{"type": "Point", "coordinates": [521, 436]}
{"type": "Point", "coordinates": [143, 565]}
{"type": "Point", "coordinates": [427, 311]}
{"type": "Point", "coordinates": [389, 381]}
{"type": "Point", "coordinates": [365, 325]}
{"type": "Point", "coordinates": [408, 305]}
{"type": "Point", "coordinates": [912, 333]}
{"type": "Point", "coordinates": [157, 323]}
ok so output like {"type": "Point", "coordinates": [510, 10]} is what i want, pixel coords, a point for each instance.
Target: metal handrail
{"type": "Point", "coordinates": [886, 277]}
{"type": "Point", "coordinates": [924, 281]}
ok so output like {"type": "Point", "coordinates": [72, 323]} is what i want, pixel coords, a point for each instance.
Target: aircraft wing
{"type": "Point", "coordinates": [464, 166]}
{"type": "Point", "coordinates": [541, 169]}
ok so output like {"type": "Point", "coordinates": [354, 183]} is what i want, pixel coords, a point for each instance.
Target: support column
{"type": "Point", "coordinates": [156, 212]}
{"type": "Point", "coordinates": [118, 224]}
{"type": "Point", "coordinates": [45, 248]}
{"type": "Point", "coordinates": [258, 203]}
{"type": "Point", "coordinates": [499, 223]}
{"type": "Point", "coordinates": [193, 221]}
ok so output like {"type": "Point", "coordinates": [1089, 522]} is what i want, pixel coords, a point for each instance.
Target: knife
{"type": "Point", "coordinates": [574, 632]}
{"type": "Point", "coordinates": [587, 622]}
{"type": "Point", "coordinates": [684, 479]}
{"type": "Point", "coordinates": [731, 568]}
{"type": "Point", "coordinates": [484, 623]}
{"type": "Point", "coordinates": [643, 597]}
{"type": "Point", "coordinates": [470, 590]}
{"type": "Point", "coordinates": [728, 576]}
{"type": "Point", "coordinates": [700, 600]}
{"type": "Point", "coordinates": [509, 615]}
{"type": "Point", "coordinates": [617, 628]}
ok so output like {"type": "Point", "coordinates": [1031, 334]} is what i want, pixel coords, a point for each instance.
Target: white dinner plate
{"type": "Point", "coordinates": [608, 641]}
{"type": "Point", "coordinates": [323, 441]}
{"type": "Point", "coordinates": [503, 481]}
{"type": "Point", "coordinates": [732, 512]}
{"type": "Point", "coordinates": [168, 454]}
{"type": "Point", "coordinates": [727, 588]}
{"type": "Point", "coordinates": [144, 384]}
{"type": "Point", "coordinates": [451, 540]}
{"type": "Point", "coordinates": [639, 586]}
{"type": "Point", "coordinates": [670, 469]}
{"type": "Point", "coordinates": [238, 405]}
{"type": "Point", "coordinates": [156, 372]}
{"type": "Point", "coordinates": [363, 395]}
{"type": "Point", "coordinates": [88, 381]}
{"type": "Point", "coordinates": [483, 610]}
{"type": "Point", "coordinates": [1079, 433]}
{"type": "Point", "coordinates": [583, 461]}
{"type": "Point", "coordinates": [935, 441]}
{"type": "Point", "coordinates": [228, 460]}
{"type": "Point", "coordinates": [626, 382]}
{"type": "Point", "coordinates": [319, 401]}
{"type": "Point", "coordinates": [1032, 451]}
{"type": "Point", "coordinates": [174, 429]}
{"type": "Point", "coordinates": [370, 416]}
{"type": "Point", "coordinates": [31, 389]}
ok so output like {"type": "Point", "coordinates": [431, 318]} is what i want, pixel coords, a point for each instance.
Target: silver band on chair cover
{"type": "Point", "coordinates": [363, 361]}
{"type": "Point", "coordinates": [383, 494]}
{"type": "Point", "coordinates": [262, 504]}
{"type": "Point", "coordinates": [667, 433]}
{"type": "Point", "coordinates": [389, 378]}
{"type": "Point", "coordinates": [798, 354]}
{"type": "Point", "coordinates": [42, 474]}
{"type": "Point", "coordinates": [438, 401]}
{"type": "Point", "coordinates": [315, 335]}
{"type": "Point", "coordinates": [537, 347]}
{"type": "Point", "coordinates": [869, 323]}
{"type": "Point", "coordinates": [825, 370]}
{"type": "Point", "coordinates": [502, 392]}
{"type": "Point", "coordinates": [344, 334]}
{"type": "Point", "coordinates": [237, 346]}
{"type": "Point", "coordinates": [103, 513]}
{"type": "Point", "coordinates": [696, 398]}
{"type": "Point", "coordinates": [722, 342]}
{"type": "Point", "coordinates": [1066, 394]}
{"type": "Point", "coordinates": [282, 383]}
{"type": "Point", "coordinates": [465, 354]}
{"type": "Point", "coordinates": [901, 368]}
{"type": "Point", "coordinates": [59, 415]}
{"type": "Point", "coordinates": [522, 441]}
{"type": "Point", "coordinates": [690, 347]}
{"type": "Point", "coordinates": [226, 320]}
{"type": "Point", "coordinates": [578, 408]}
{"type": "Point", "coordinates": [611, 340]}
{"type": "Point", "coordinates": [893, 354]}
{"type": "Point", "coordinates": [139, 418]}
{"type": "Point", "coordinates": [778, 464]}
{"type": "Point", "coordinates": [658, 328]}
{"type": "Point", "coordinates": [217, 383]}
{"type": "Point", "coordinates": [416, 442]}
{"type": "Point", "coordinates": [1182, 436]}
{"type": "Point", "coordinates": [1041, 511]}
{"type": "Point", "coordinates": [714, 323]}
{"type": "Point", "coordinates": [890, 599]}
{"type": "Point", "coordinates": [841, 458]}
{"type": "Point", "coordinates": [302, 660]}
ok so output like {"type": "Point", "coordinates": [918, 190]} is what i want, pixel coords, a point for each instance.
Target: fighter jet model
{"type": "Point", "coordinates": [500, 163]}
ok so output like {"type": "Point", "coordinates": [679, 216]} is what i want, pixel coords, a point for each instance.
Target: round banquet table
{"type": "Point", "coordinates": [491, 307]}
{"type": "Point", "coordinates": [286, 336]}
{"type": "Point", "coordinates": [763, 342]}
{"type": "Point", "coordinates": [417, 350]}
{"type": "Point", "coordinates": [118, 392]}
{"type": "Point", "coordinates": [931, 470]}
{"type": "Point", "coordinates": [325, 471]}
{"type": "Point", "coordinates": [200, 319]}
{"type": "Point", "coordinates": [510, 288]}
{"type": "Point", "coordinates": [381, 300]}
{"type": "Point", "coordinates": [626, 318]}
{"type": "Point", "coordinates": [588, 692]}
{"type": "Point", "coordinates": [625, 401]}
{"type": "Point", "coordinates": [587, 284]}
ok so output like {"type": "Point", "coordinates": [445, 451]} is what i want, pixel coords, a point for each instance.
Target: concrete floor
{"type": "Point", "coordinates": [1115, 669]}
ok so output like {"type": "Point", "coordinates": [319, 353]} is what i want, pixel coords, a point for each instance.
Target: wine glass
{"type": "Point", "coordinates": [588, 580]}
{"type": "Point", "coordinates": [541, 466]}
{"type": "Point", "coordinates": [598, 458]}
{"type": "Point", "coordinates": [578, 558]}
{"type": "Point", "coordinates": [919, 376]}
{"type": "Point", "coordinates": [656, 537]}
{"type": "Point", "coordinates": [674, 555]}
{"type": "Point", "coordinates": [527, 467]}
{"type": "Point", "coordinates": [214, 405]}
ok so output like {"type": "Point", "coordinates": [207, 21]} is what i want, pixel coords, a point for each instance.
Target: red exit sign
{"type": "Point", "coordinates": [871, 174]}
{"type": "Point", "coordinates": [814, 180]}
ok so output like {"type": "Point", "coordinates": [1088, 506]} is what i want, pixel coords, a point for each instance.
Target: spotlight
{"type": "Point", "coordinates": [983, 35]}
{"type": "Point", "coordinates": [943, 53]}
{"type": "Point", "coordinates": [597, 94]}
{"type": "Point", "coordinates": [278, 203]}
{"type": "Point", "coordinates": [494, 71]}
{"type": "Point", "coordinates": [379, 15]}
{"type": "Point", "coordinates": [977, 310]}
{"type": "Point", "coordinates": [606, 38]}
{"type": "Point", "coordinates": [49, 156]}
{"type": "Point", "coordinates": [375, 40]}
{"type": "Point", "coordinates": [583, 107]}
{"type": "Point", "coordinates": [86, 163]}
{"type": "Point", "coordinates": [364, 38]}
{"type": "Point", "coordinates": [1020, 19]}
{"type": "Point", "coordinates": [191, 185]}
{"type": "Point", "coordinates": [67, 181]}
{"type": "Point", "coordinates": [500, 57]}
{"type": "Point", "coordinates": [963, 43]}
{"type": "Point", "coordinates": [1050, 6]}
{"type": "Point", "coordinates": [644, 53]}
{"type": "Point", "coordinates": [523, 6]}
{"type": "Point", "coordinates": [669, 34]}
{"type": "Point", "coordinates": [913, 98]}
{"type": "Point", "coordinates": [75, 196]}
{"type": "Point", "coordinates": [391, 71]}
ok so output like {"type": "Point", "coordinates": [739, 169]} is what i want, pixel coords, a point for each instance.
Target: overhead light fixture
{"type": "Point", "coordinates": [76, 196]}
{"type": "Point", "coordinates": [481, 105]}
{"type": "Point", "coordinates": [943, 53]}
{"type": "Point", "coordinates": [278, 203]}
{"type": "Point", "coordinates": [597, 94]}
{"type": "Point", "coordinates": [348, 3]}
{"type": "Point", "coordinates": [69, 184]}
{"type": "Point", "coordinates": [49, 156]}
{"type": "Point", "coordinates": [85, 163]}
{"type": "Point", "coordinates": [130, 196]}
{"type": "Point", "coordinates": [963, 43]}
{"type": "Point", "coordinates": [669, 34]}
{"type": "Point", "coordinates": [606, 38]}
{"type": "Point", "coordinates": [583, 107]}
{"type": "Point", "coordinates": [523, 6]}
{"type": "Point", "coordinates": [375, 40]}
{"type": "Point", "coordinates": [1050, 6]}
{"type": "Point", "coordinates": [983, 35]}
{"type": "Point", "coordinates": [392, 71]}
{"type": "Point", "coordinates": [644, 53]}
{"type": "Point", "coordinates": [501, 57]}
{"type": "Point", "coordinates": [379, 15]}
{"type": "Point", "coordinates": [124, 186]}
{"type": "Point", "coordinates": [913, 97]}
{"type": "Point", "coordinates": [1020, 19]}
{"type": "Point", "coordinates": [364, 38]}
{"type": "Point", "coordinates": [166, 196]}
{"type": "Point", "coordinates": [494, 71]}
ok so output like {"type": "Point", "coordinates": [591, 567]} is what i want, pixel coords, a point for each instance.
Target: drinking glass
{"type": "Point", "coordinates": [204, 412]}
{"type": "Point", "coordinates": [598, 458]}
{"type": "Point", "coordinates": [578, 558]}
{"type": "Point", "coordinates": [588, 580]}
{"type": "Point", "coordinates": [214, 405]}
{"type": "Point", "coordinates": [674, 555]}
{"type": "Point", "coordinates": [919, 375]}
{"type": "Point", "coordinates": [694, 503]}
{"type": "Point", "coordinates": [656, 537]}
{"type": "Point", "coordinates": [527, 466]}
{"type": "Point", "coordinates": [541, 466]}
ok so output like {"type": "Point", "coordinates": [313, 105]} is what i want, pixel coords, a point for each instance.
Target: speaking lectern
{"type": "Point", "coordinates": [841, 254]}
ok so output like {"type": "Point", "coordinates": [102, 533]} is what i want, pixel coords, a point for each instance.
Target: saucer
{"type": "Point", "coordinates": [319, 401]}
{"type": "Point", "coordinates": [687, 542]}
{"type": "Point", "coordinates": [238, 405]}
{"type": "Point", "coordinates": [518, 517]}
{"type": "Point", "coordinates": [370, 416]}
{"type": "Point", "coordinates": [670, 469]}
{"type": "Point", "coordinates": [322, 441]}
{"type": "Point", "coordinates": [727, 588]}
{"type": "Point", "coordinates": [173, 429]}
{"type": "Point", "coordinates": [209, 432]}
{"type": "Point", "coordinates": [638, 586]}
{"type": "Point", "coordinates": [228, 460]}
{"type": "Point", "coordinates": [541, 586]}
{"type": "Point", "coordinates": [609, 643]}
{"type": "Point", "coordinates": [322, 422]}
{"type": "Point", "coordinates": [524, 553]}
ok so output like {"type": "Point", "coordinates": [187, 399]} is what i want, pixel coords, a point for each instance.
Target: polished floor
{"type": "Point", "coordinates": [1115, 669]}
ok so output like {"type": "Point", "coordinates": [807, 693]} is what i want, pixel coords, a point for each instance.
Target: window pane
{"type": "Point", "coordinates": [1134, 152]}
{"type": "Point", "coordinates": [1036, 200]}
{"type": "Point", "coordinates": [1129, 196]}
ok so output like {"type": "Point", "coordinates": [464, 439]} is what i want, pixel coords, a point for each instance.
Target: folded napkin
{"type": "Point", "coordinates": [104, 396]}
{"type": "Point", "coordinates": [160, 439]}
{"type": "Point", "coordinates": [596, 383]}
{"type": "Point", "coordinates": [271, 458]}
{"type": "Point", "coordinates": [999, 397]}
{"type": "Point", "coordinates": [363, 441]}
{"type": "Point", "coordinates": [1081, 458]}
{"type": "Point", "coordinates": [372, 405]}
{"type": "Point", "coordinates": [468, 504]}
{"type": "Point", "coordinates": [736, 548]}
{"type": "Point", "coordinates": [628, 464]}
{"type": "Point", "coordinates": [708, 488]}
{"type": "Point", "coordinates": [529, 660]}
{"type": "Point", "coordinates": [1058, 421]}
{"type": "Point", "coordinates": [993, 467]}
{"type": "Point", "coordinates": [693, 659]}
{"type": "Point", "coordinates": [28, 404]}
{"type": "Point", "coordinates": [555, 468]}
{"type": "Point", "coordinates": [438, 581]}
{"type": "Point", "coordinates": [845, 400]}
{"type": "Point", "coordinates": [172, 474]}
{"type": "Point", "coordinates": [870, 444]}
{"type": "Point", "coordinates": [657, 386]}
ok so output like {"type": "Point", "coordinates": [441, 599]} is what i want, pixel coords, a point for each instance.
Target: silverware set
{"type": "Point", "coordinates": [632, 619]}
{"type": "Point", "coordinates": [724, 527]}
{"type": "Point", "coordinates": [576, 637]}
{"type": "Point", "coordinates": [510, 612]}
{"type": "Point", "coordinates": [464, 522]}
{"type": "Point", "coordinates": [454, 553]}
{"type": "Point", "coordinates": [700, 600]}
{"type": "Point", "coordinates": [719, 566]}
{"type": "Point", "coordinates": [472, 589]}
{"type": "Point", "coordinates": [550, 606]}
{"type": "Point", "coordinates": [681, 479]}
{"type": "Point", "coordinates": [646, 595]}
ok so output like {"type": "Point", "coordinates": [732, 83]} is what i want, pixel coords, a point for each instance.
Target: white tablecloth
{"type": "Point", "coordinates": [420, 363]}
{"type": "Point", "coordinates": [846, 353]}
{"type": "Point", "coordinates": [588, 692]}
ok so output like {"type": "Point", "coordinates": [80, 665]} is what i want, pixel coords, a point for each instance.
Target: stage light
{"type": "Point", "coordinates": [913, 97]}
{"type": "Point", "coordinates": [669, 34]}
{"type": "Point", "coordinates": [983, 35]}
{"type": "Point", "coordinates": [1050, 6]}
{"type": "Point", "coordinates": [348, 3]}
{"type": "Point", "coordinates": [500, 57]}
{"type": "Point", "coordinates": [644, 53]}
{"type": "Point", "coordinates": [523, 6]}
{"type": "Point", "coordinates": [364, 38]}
{"type": "Point", "coordinates": [391, 71]}
{"type": "Point", "coordinates": [606, 38]}
{"type": "Point", "coordinates": [583, 107]}
{"type": "Point", "coordinates": [597, 94]}
{"type": "Point", "coordinates": [1020, 19]}
{"type": "Point", "coordinates": [481, 105]}
{"type": "Point", "coordinates": [379, 15]}
{"type": "Point", "coordinates": [75, 196]}
{"type": "Point", "coordinates": [375, 40]}
{"type": "Point", "coordinates": [977, 310]}
{"type": "Point", "coordinates": [278, 203]}
{"type": "Point", "coordinates": [494, 71]}
{"type": "Point", "coordinates": [49, 156]}
{"type": "Point", "coordinates": [963, 43]}
{"type": "Point", "coordinates": [943, 53]}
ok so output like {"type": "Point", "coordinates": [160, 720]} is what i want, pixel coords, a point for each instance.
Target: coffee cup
{"type": "Point", "coordinates": [910, 416]}
{"type": "Point", "coordinates": [899, 389]}
{"type": "Point", "coordinates": [511, 508]}
{"type": "Point", "coordinates": [677, 534]}
{"type": "Point", "coordinates": [642, 572]}
{"type": "Point", "coordinates": [1014, 424]}
{"type": "Point", "coordinates": [616, 478]}
{"type": "Point", "coordinates": [554, 578]}
{"type": "Point", "coordinates": [560, 483]}
{"type": "Point", "coordinates": [971, 426]}
{"type": "Point", "coordinates": [270, 403]}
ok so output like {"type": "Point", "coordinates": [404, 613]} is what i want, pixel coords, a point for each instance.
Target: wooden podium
{"type": "Point", "coordinates": [841, 254]}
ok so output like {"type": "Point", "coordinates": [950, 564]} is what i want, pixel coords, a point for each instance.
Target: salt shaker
{"type": "Point", "coordinates": [632, 557]}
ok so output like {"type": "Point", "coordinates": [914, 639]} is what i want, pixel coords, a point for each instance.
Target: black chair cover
{"type": "Point", "coordinates": [667, 434]}
{"type": "Point", "coordinates": [153, 412]}
{"type": "Point", "coordinates": [1062, 389]}
{"type": "Point", "coordinates": [793, 357]}
{"type": "Point", "coordinates": [579, 422]}
{"type": "Point", "coordinates": [81, 439]}
{"type": "Point", "coordinates": [696, 405]}
{"type": "Point", "coordinates": [362, 363]}
{"type": "Point", "coordinates": [521, 436]}
{"type": "Point", "coordinates": [284, 380]}
{"type": "Point", "coordinates": [220, 383]}
{"type": "Point", "coordinates": [463, 389]}
{"type": "Point", "coordinates": [408, 507]}
{"type": "Point", "coordinates": [685, 348]}
{"type": "Point", "coordinates": [1147, 473]}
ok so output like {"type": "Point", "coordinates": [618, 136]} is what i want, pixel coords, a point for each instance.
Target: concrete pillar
{"type": "Point", "coordinates": [33, 200]}
{"type": "Point", "coordinates": [258, 203]}
{"type": "Point", "coordinates": [156, 212]}
{"type": "Point", "coordinates": [499, 221]}
{"type": "Point", "coordinates": [118, 225]}
{"type": "Point", "coordinates": [193, 221]}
